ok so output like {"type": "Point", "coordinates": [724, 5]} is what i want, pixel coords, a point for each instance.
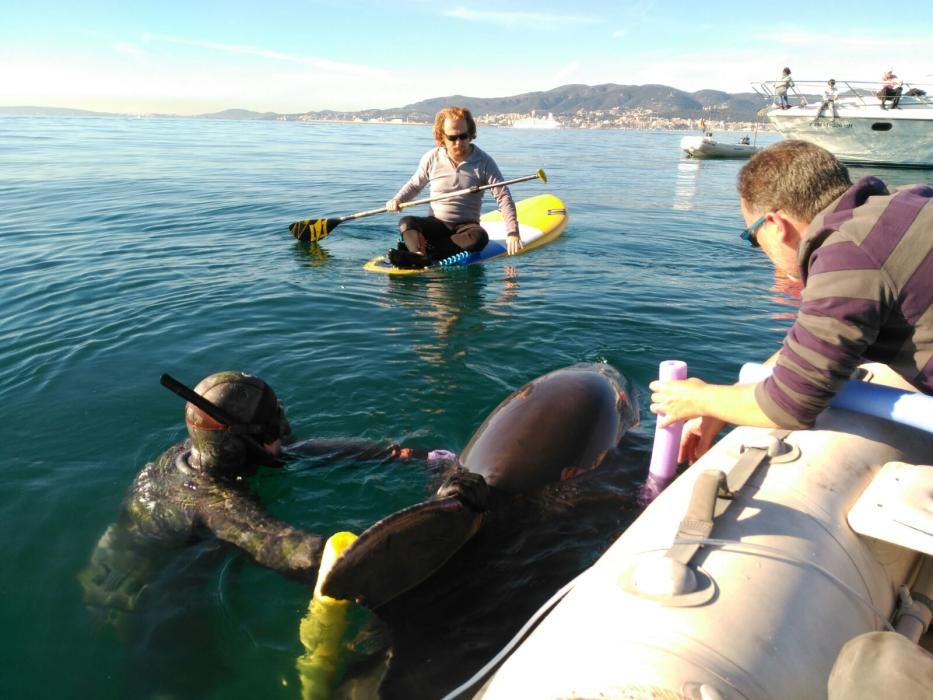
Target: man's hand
{"type": "Point", "coordinates": [735, 404]}
{"type": "Point", "coordinates": [513, 244]}
{"type": "Point", "coordinates": [677, 400]}
{"type": "Point", "coordinates": [392, 206]}
{"type": "Point", "coordinates": [697, 438]}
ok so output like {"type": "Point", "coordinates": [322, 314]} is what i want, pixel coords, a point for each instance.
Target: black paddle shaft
{"type": "Point", "coordinates": [316, 229]}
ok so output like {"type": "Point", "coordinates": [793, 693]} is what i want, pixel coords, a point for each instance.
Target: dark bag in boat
{"type": "Point", "coordinates": [916, 92]}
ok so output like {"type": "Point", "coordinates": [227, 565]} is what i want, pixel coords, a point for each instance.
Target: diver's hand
{"type": "Point", "coordinates": [108, 591]}
{"type": "Point", "coordinates": [392, 206]}
{"type": "Point", "coordinates": [408, 453]}
{"type": "Point", "coordinates": [469, 487]}
{"type": "Point", "coordinates": [513, 244]}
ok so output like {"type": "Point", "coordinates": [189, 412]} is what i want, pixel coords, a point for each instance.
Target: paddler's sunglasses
{"type": "Point", "coordinates": [751, 233]}
{"type": "Point", "coordinates": [453, 138]}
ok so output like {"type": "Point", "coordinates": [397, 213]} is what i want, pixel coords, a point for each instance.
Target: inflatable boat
{"type": "Point", "coordinates": [747, 575]}
{"type": "Point", "coordinates": [707, 147]}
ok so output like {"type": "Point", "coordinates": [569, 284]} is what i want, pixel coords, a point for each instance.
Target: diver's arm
{"type": "Point", "coordinates": [362, 449]}
{"type": "Point", "coordinates": [236, 517]}
{"type": "Point", "coordinates": [120, 568]}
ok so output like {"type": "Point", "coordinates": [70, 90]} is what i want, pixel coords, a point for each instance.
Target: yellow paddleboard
{"type": "Point", "coordinates": [541, 220]}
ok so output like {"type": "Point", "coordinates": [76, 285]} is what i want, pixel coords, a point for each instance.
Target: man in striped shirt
{"type": "Point", "coordinates": [864, 253]}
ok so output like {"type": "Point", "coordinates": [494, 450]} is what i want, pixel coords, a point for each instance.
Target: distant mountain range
{"type": "Point", "coordinates": [662, 100]}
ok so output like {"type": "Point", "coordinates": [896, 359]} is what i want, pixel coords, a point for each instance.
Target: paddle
{"type": "Point", "coordinates": [316, 229]}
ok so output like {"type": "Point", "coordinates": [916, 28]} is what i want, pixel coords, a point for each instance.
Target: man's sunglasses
{"type": "Point", "coordinates": [751, 233]}
{"type": "Point", "coordinates": [453, 138]}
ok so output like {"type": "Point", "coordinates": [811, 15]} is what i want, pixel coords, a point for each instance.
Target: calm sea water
{"type": "Point", "coordinates": [129, 248]}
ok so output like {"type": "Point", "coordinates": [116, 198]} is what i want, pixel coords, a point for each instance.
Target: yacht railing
{"type": "Point", "coordinates": [857, 92]}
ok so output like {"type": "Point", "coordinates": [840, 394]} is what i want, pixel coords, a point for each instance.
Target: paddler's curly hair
{"type": "Point", "coordinates": [453, 113]}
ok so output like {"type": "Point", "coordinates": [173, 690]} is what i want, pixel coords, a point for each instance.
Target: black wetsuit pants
{"type": "Point", "coordinates": [439, 240]}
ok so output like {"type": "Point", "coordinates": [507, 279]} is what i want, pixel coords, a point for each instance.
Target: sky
{"type": "Point", "coordinates": [198, 56]}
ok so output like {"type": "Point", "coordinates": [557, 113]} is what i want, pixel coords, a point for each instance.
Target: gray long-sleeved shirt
{"type": "Point", "coordinates": [478, 169]}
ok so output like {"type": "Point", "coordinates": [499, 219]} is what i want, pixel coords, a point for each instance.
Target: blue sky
{"type": "Point", "coordinates": [194, 56]}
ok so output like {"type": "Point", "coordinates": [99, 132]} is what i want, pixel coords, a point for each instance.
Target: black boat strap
{"type": "Point", "coordinates": [713, 493]}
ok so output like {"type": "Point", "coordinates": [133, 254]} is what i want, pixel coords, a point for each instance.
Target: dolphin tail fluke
{"type": "Point", "coordinates": [401, 551]}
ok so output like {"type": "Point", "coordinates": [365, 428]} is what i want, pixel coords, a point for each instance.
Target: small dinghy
{"type": "Point", "coordinates": [706, 146]}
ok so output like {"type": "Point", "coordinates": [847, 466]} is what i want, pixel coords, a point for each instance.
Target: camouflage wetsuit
{"type": "Point", "coordinates": [172, 505]}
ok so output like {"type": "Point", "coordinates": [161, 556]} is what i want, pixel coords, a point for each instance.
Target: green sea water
{"type": "Point", "coordinates": [129, 248]}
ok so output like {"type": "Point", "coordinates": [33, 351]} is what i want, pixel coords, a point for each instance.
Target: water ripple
{"type": "Point", "coordinates": [129, 248]}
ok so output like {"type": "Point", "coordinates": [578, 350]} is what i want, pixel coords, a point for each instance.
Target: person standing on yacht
{"type": "Point", "coordinates": [864, 254]}
{"type": "Point", "coordinates": [781, 87]}
{"type": "Point", "coordinates": [829, 100]}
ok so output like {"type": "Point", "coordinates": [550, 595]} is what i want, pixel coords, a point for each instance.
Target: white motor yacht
{"type": "Point", "coordinates": [859, 130]}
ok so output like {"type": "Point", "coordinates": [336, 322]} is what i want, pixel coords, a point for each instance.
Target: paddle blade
{"type": "Point", "coordinates": [541, 176]}
{"type": "Point", "coordinates": [313, 229]}
{"type": "Point", "coordinates": [401, 551]}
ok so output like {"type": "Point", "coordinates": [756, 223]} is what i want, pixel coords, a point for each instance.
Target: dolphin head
{"type": "Point", "coordinates": [555, 427]}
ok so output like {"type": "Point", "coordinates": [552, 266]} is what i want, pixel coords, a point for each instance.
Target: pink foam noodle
{"type": "Point", "coordinates": [666, 440]}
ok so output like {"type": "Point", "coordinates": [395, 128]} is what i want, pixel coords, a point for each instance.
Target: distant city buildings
{"type": "Point", "coordinates": [615, 118]}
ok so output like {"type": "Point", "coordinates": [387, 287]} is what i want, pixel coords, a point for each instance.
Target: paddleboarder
{"type": "Point", "coordinates": [452, 225]}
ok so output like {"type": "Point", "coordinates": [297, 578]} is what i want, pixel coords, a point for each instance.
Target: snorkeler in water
{"type": "Point", "coordinates": [198, 491]}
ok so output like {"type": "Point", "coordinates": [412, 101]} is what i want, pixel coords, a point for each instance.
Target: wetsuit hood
{"type": "Point", "coordinates": [235, 448]}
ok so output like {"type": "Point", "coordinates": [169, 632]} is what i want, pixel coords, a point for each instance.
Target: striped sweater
{"type": "Point", "coordinates": [866, 263]}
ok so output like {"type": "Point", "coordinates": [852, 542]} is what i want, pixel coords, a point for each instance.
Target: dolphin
{"type": "Point", "coordinates": [557, 427]}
